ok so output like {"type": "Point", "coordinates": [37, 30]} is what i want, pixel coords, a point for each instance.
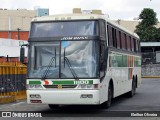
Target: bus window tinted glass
{"type": "Point", "coordinates": [56, 29]}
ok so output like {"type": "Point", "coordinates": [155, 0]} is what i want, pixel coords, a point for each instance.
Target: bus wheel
{"type": "Point", "coordinates": [133, 91]}
{"type": "Point", "coordinates": [53, 106]}
{"type": "Point", "coordinates": [107, 104]}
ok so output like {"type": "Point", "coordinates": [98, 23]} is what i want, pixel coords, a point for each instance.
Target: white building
{"type": "Point", "coordinates": [11, 47]}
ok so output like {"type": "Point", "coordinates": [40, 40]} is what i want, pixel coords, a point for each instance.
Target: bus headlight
{"type": "Point", "coordinates": [89, 86]}
{"type": "Point", "coordinates": [38, 86]}
{"type": "Point", "coordinates": [30, 86]}
{"type": "Point", "coordinates": [34, 87]}
{"type": "Point", "coordinates": [82, 86]}
{"type": "Point", "coordinates": [35, 96]}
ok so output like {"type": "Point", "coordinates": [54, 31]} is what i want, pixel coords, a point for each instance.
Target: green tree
{"type": "Point", "coordinates": [146, 28]}
{"type": "Point", "coordinates": [158, 35]}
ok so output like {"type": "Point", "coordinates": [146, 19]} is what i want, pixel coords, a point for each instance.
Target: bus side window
{"type": "Point", "coordinates": [129, 43]}
{"type": "Point", "coordinates": [102, 30]}
{"type": "Point", "coordinates": [137, 44]}
{"type": "Point", "coordinates": [125, 41]}
{"type": "Point", "coordinates": [114, 37]}
{"type": "Point", "coordinates": [130, 39]}
{"type": "Point", "coordinates": [110, 41]}
{"type": "Point", "coordinates": [134, 40]}
{"type": "Point", "coordinates": [118, 39]}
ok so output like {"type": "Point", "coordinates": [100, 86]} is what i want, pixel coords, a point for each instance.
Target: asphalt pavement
{"type": "Point", "coordinates": [146, 99]}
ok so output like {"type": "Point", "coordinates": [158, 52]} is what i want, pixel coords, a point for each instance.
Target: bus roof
{"type": "Point", "coordinates": [82, 17]}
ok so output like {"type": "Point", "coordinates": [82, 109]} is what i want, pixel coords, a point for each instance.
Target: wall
{"type": "Point", "coordinates": [13, 19]}
{"type": "Point", "coordinates": [12, 59]}
{"type": "Point", "coordinates": [14, 35]}
{"type": "Point", "coordinates": [150, 70]}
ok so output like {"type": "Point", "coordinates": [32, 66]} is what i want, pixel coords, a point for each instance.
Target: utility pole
{"type": "Point", "coordinates": [18, 29]}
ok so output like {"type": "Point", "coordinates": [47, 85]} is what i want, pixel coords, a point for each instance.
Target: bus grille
{"type": "Point", "coordinates": [63, 86]}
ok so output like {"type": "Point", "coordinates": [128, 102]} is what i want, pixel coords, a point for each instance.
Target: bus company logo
{"type": "Point", "coordinates": [74, 38]}
{"type": "Point", "coordinates": [59, 86]}
{"type": "Point", "coordinates": [46, 82]}
{"type": "Point", "coordinates": [6, 114]}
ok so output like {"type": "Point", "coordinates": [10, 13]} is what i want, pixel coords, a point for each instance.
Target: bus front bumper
{"type": "Point", "coordinates": [63, 97]}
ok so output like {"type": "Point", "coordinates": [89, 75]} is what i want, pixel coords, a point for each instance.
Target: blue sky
{"type": "Point", "coordinates": [116, 9]}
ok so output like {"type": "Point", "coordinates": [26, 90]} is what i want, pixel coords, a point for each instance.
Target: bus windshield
{"type": "Point", "coordinates": [64, 59]}
{"type": "Point", "coordinates": [56, 29]}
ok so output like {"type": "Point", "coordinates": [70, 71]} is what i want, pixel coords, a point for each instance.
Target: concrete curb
{"type": "Point", "coordinates": [150, 77]}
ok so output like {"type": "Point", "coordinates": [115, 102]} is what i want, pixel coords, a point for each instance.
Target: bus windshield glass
{"type": "Point", "coordinates": [64, 59]}
{"type": "Point", "coordinates": [56, 29]}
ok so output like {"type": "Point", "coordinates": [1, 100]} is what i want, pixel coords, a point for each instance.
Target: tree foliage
{"type": "Point", "coordinates": [146, 28]}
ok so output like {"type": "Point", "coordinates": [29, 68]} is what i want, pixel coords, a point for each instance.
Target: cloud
{"type": "Point", "coordinates": [15, 4]}
{"type": "Point", "coordinates": [117, 9]}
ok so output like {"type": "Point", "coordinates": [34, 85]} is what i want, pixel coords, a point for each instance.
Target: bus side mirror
{"type": "Point", "coordinates": [22, 53]}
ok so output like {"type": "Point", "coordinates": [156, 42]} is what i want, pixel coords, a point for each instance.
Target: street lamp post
{"type": "Point", "coordinates": [18, 29]}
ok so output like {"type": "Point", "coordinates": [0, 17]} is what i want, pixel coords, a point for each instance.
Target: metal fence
{"type": "Point", "coordinates": [151, 64]}
{"type": "Point", "coordinates": [12, 81]}
{"type": "Point", "coordinates": [148, 58]}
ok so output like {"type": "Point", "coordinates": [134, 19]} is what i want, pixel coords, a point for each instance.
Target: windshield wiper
{"type": "Point", "coordinates": [70, 66]}
{"type": "Point", "coordinates": [49, 66]}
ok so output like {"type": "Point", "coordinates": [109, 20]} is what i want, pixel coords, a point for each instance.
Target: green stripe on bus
{"type": "Point", "coordinates": [72, 82]}
{"type": "Point", "coordinates": [34, 82]}
{"type": "Point", "coordinates": [65, 82]}
{"type": "Point", "coordinates": [62, 82]}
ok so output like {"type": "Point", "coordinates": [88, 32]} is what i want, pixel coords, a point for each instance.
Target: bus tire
{"type": "Point", "coordinates": [51, 106]}
{"type": "Point", "coordinates": [107, 104]}
{"type": "Point", "coordinates": [133, 90]}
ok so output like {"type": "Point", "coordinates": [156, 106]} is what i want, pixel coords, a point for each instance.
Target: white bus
{"type": "Point", "coordinates": [81, 59]}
